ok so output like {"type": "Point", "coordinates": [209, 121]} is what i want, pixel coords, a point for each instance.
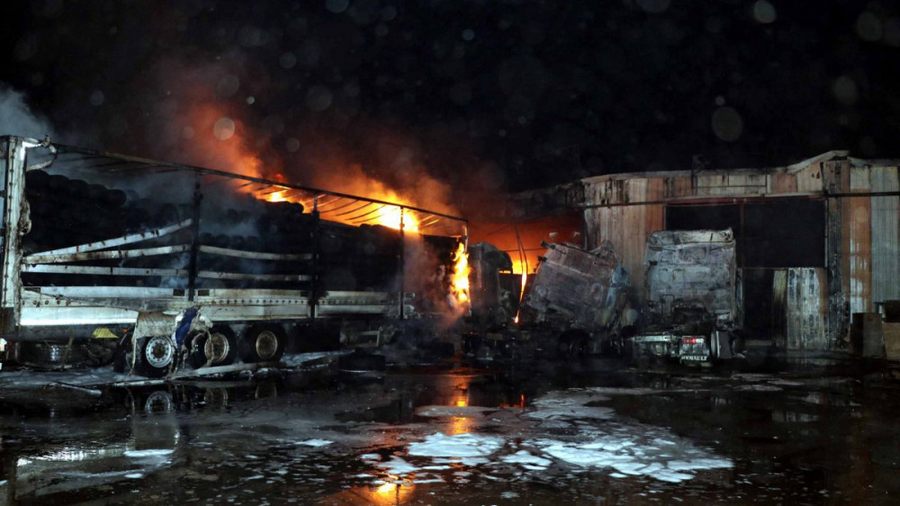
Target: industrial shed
{"type": "Point", "coordinates": [817, 240]}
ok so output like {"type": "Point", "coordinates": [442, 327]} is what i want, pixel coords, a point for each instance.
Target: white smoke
{"type": "Point", "coordinates": [16, 118]}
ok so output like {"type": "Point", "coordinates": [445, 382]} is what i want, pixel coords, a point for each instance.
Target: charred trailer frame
{"type": "Point", "coordinates": [156, 256]}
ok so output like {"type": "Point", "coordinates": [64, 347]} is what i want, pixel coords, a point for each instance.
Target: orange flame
{"type": "Point", "coordinates": [521, 295]}
{"type": "Point", "coordinates": [220, 140]}
{"type": "Point", "coordinates": [394, 216]}
{"type": "Point", "coordinates": [389, 216]}
{"type": "Point", "coordinates": [459, 282]}
{"type": "Point", "coordinates": [520, 266]}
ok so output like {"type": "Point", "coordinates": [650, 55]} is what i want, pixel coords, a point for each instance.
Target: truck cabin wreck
{"type": "Point", "coordinates": [692, 306]}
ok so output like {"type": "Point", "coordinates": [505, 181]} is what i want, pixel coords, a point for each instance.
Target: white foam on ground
{"type": "Point", "coordinates": [629, 449]}
{"type": "Point", "coordinates": [594, 440]}
{"type": "Point", "coordinates": [460, 445]}
{"type": "Point", "coordinates": [569, 405]}
{"type": "Point", "coordinates": [421, 481]}
{"type": "Point", "coordinates": [397, 466]}
{"type": "Point", "coordinates": [700, 463]}
{"type": "Point", "coordinates": [527, 460]}
{"type": "Point", "coordinates": [633, 454]}
{"type": "Point", "coordinates": [315, 443]}
{"type": "Point", "coordinates": [137, 454]}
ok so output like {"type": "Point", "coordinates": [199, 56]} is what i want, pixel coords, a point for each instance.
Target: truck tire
{"type": "Point", "coordinates": [218, 347]}
{"type": "Point", "coordinates": [263, 343]}
{"type": "Point", "coordinates": [155, 355]}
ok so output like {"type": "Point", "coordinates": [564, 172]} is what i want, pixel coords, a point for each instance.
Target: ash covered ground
{"type": "Point", "coordinates": [593, 431]}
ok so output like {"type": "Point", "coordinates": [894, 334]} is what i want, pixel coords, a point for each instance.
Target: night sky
{"type": "Point", "coordinates": [518, 94]}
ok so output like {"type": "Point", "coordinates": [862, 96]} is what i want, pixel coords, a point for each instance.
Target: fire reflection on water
{"type": "Point", "coordinates": [389, 493]}
{"type": "Point", "coordinates": [460, 399]}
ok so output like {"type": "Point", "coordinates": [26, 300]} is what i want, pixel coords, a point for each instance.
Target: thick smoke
{"type": "Point", "coordinates": [216, 115]}
{"type": "Point", "coordinates": [16, 118]}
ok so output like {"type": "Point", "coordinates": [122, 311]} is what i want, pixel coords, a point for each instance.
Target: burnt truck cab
{"type": "Point", "coordinates": [692, 297]}
{"type": "Point", "coordinates": [584, 295]}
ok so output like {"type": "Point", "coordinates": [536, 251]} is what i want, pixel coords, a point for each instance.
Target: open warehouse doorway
{"type": "Point", "coordinates": [771, 234]}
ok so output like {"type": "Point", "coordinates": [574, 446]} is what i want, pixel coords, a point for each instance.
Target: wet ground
{"type": "Point", "coordinates": [578, 432]}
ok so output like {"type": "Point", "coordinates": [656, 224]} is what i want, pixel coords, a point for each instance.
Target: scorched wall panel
{"type": "Point", "coordinates": [885, 235]}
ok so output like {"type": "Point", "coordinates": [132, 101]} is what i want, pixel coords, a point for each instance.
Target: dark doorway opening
{"type": "Point", "coordinates": [771, 234]}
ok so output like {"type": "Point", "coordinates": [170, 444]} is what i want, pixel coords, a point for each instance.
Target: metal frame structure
{"type": "Point", "coordinates": [28, 307]}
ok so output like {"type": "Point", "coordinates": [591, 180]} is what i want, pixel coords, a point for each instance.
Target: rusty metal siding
{"type": "Point", "coordinates": [738, 183]}
{"type": "Point", "coordinates": [885, 235]}
{"type": "Point", "coordinates": [809, 179]}
{"type": "Point", "coordinates": [781, 182]}
{"type": "Point", "coordinates": [678, 187]}
{"type": "Point", "coordinates": [836, 179]}
{"type": "Point", "coordinates": [626, 227]}
{"type": "Point", "coordinates": [806, 307]}
{"type": "Point", "coordinates": [860, 242]}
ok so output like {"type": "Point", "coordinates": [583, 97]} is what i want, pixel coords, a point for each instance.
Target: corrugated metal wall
{"type": "Point", "coordinates": [885, 235]}
{"type": "Point", "coordinates": [859, 248]}
{"type": "Point", "coordinates": [626, 227]}
{"type": "Point", "coordinates": [806, 309]}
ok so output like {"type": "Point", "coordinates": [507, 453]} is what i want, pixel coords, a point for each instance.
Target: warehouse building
{"type": "Point", "coordinates": [818, 241]}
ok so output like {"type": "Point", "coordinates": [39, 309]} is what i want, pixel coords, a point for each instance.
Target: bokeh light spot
{"type": "Point", "coordinates": [224, 128]}
{"type": "Point", "coordinates": [727, 124]}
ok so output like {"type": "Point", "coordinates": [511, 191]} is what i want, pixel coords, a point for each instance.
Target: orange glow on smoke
{"type": "Point", "coordinates": [222, 142]}
{"type": "Point", "coordinates": [459, 282]}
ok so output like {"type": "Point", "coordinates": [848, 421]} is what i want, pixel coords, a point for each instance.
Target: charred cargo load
{"type": "Point", "coordinates": [495, 289]}
{"type": "Point", "coordinates": [692, 304]}
{"type": "Point", "coordinates": [160, 260]}
{"type": "Point", "coordinates": [583, 292]}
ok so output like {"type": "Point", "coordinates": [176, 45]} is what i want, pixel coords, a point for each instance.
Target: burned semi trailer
{"type": "Point", "coordinates": [693, 306]}
{"type": "Point", "coordinates": [168, 266]}
{"type": "Point", "coordinates": [583, 296]}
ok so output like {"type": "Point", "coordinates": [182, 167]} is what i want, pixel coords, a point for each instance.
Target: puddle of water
{"type": "Point", "coordinates": [455, 437]}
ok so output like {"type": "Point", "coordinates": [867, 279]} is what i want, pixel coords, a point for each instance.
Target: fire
{"type": "Point", "coordinates": [279, 196]}
{"type": "Point", "coordinates": [393, 216]}
{"type": "Point", "coordinates": [221, 140]}
{"type": "Point", "coordinates": [521, 295]}
{"type": "Point", "coordinates": [520, 266]}
{"type": "Point", "coordinates": [459, 282]}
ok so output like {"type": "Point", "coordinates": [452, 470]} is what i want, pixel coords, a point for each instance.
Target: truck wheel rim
{"type": "Point", "coordinates": [266, 344]}
{"type": "Point", "coordinates": [159, 401]}
{"type": "Point", "coordinates": [216, 347]}
{"type": "Point", "coordinates": [159, 351]}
